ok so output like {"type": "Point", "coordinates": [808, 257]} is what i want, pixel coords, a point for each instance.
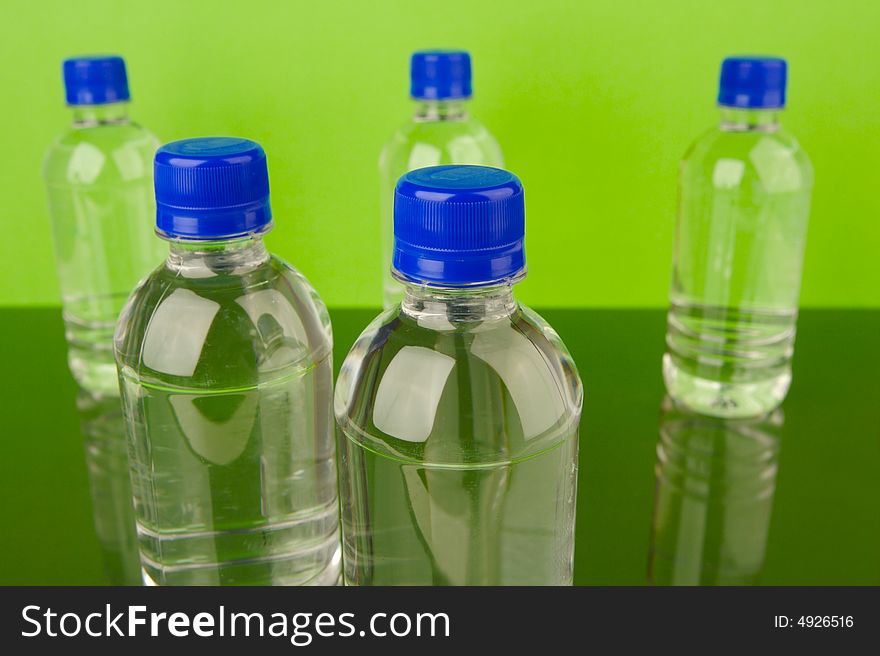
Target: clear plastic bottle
{"type": "Point", "coordinates": [441, 131]}
{"type": "Point", "coordinates": [459, 409]}
{"type": "Point", "coordinates": [224, 356]}
{"type": "Point", "coordinates": [716, 480]}
{"type": "Point", "coordinates": [744, 203]}
{"type": "Point", "coordinates": [99, 179]}
{"type": "Point", "coordinates": [99, 183]}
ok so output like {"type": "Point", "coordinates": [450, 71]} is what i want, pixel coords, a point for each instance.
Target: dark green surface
{"type": "Point", "coordinates": [825, 522]}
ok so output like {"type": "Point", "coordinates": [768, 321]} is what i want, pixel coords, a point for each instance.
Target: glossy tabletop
{"type": "Point", "coordinates": [791, 500]}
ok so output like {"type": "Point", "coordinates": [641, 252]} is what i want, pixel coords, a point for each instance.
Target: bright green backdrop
{"type": "Point", "coordinates": [593, 101]}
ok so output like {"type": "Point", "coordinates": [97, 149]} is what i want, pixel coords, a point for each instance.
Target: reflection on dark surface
{"type": "Point", "coordinates": [106, 453]}
{"type": "Point", "coordinates": [715, 481]}
{"type": "Point", "coordinates": [825, 528]}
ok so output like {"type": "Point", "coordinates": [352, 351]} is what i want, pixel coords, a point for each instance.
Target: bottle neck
{"type": "Point", "coordinates": [200, 259]}
{"type": "Point", "coordinates": [735, 119]}
{"type": "Point", "coordinates": [441, 110]}
{"type": "Point", "coordinates": [90, 116]}
{"type": "Point", "coordinates": [459, 305]}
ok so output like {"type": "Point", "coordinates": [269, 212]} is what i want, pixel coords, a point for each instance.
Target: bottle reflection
{"type": "Point", "coordinates": [106, 453]}
{"type": "Point", "coordinates": [715, 481]}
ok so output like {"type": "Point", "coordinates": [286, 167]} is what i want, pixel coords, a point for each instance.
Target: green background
{"type": "Point", "coordinates": [593, 102]}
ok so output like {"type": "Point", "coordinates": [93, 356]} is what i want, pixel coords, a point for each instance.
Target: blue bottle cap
{"type": "Point", "coordinates": [440, 75]}
{"type": "Point", "coordinates": [212, 188]}
{"type": "Point", "coordinates": [95, 80]}
{"type": "Point", "coordinates": [753, 82]}
{"type": "Point", "coordinates": [459, 226]}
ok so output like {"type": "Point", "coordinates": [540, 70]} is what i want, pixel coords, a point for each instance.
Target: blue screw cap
{"type": "Point", "coordinates": [440, 75]}
{"type": "Point", "coordinates": [459, 226]}
{"type": "Point", "coordinates": [95, 80]}
{"type": "Point", "coordinates": [212, 188]}
{"type": "Point", "coordinates": [753, 82]}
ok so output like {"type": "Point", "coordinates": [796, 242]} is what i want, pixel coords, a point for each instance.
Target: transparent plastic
{"type": "Point", "coordinates": [440, 132]}
{"type": "Point", "coordinates": [743, 209]}
{"type": "Point", "coordinates": [225, 366]}
{"type": "Point", "coordinates": [716, 480]}
{"type": "Point", "coordinates": [99, 180]}
{"type": "Point", "coordinates": [99, 183]}
{"type": "Point", "coordinates": [458, 418]}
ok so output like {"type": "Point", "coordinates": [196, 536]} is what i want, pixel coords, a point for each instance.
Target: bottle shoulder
{"type": "Point", "coordinates": [491, 391]}
{"type": "Point", "coordinates": [416, 144]}
{"type": "Point", "coordinates": [101, 155]}
{"type": "Point", "coordinates": [202, 328]}
{"type": "Point", "coordinates": [731, 159]}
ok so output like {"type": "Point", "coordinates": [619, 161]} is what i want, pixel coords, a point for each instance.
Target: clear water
{"type": "Point", "coordinates": [106, 452]}
{"type": "Point", "coordinates": [743, 209]}
{"type": "Point", "coordinates": [729, 362]}
{"type": "Point", "coordinates": [226, 374]}
{"type": "Point", "coordinates": [440, 132]}
{"type": "Point", "coordinates": [89, 324]}
{"type": "Point", "coordinates": [99, 183]}
{"type": "Point", "coordinates": [508, 523]}
{"type": "Point", "coordinates": [458, 423]}
{"type": "Point", "coordinates": [716, 480]}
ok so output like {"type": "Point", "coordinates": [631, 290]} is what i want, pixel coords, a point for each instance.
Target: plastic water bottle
{"type": "Point", "coordinates": [441, 131]}
{"type": "Point", "coordinates": [744, 202]}
{"type": "Point", "coordinates": [99, 181]}
{"type": "Point", "coordinates": [458, 410]}
{"type": "Point", "coordinates": [224, 355]}
{"type": "Point", "coordinates": [716, 480]}
{"type": "Point", "coordinates": [99, 178]}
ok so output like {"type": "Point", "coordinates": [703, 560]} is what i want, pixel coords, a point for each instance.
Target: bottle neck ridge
{"type": "Point", "coordinates": [441, 110]}
{"type": "Point", "coordinates": [459, 304]}
{"type": "Point", "coordinates": [90, 116]}
{"type": "Point", "coordinates": [189, 257]}
{"type": "Point", "coordinates": [736, 119]}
